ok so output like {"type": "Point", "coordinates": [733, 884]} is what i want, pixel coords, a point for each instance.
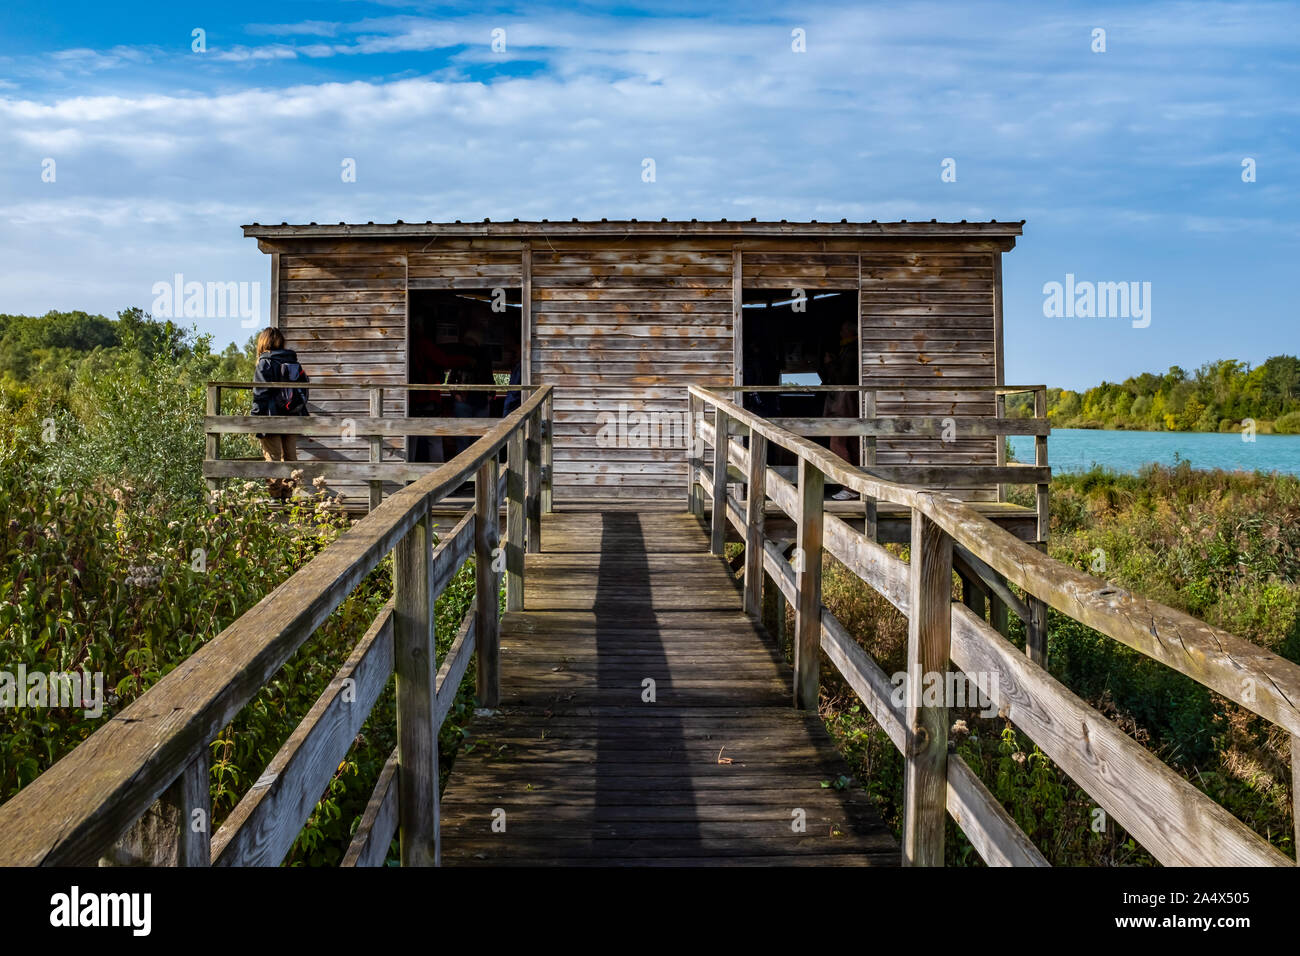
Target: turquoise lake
{"type": "Point", "coordinates": [1078, 449]}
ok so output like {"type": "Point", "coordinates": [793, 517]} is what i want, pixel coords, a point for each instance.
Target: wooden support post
{"type": "Point", "coordinates": [998, 615]}
{"type": "Point", "coordinates": [177, 829]}
{"type": "Point", "coordinates": [417, 728]}
{"type": "Point", "coordinates": [376, 446]}
{"type": "Point", "coordinates": [1040, 459]}
{"type": "Point", "coordinates": [1000, 410]}
{"type": "Point", "coordinates": [1036, 630]}
{"type": "Point", "coordinates": [1295, 790]}
{"type": "Point", "coordinates": [548, 452]}
{"type": "Point", "coordinates": [516, 509]}
{"type": "Point", "coordinates": [533, 485]}
{"type": "Point", "coordinates": [871, 528]}
{"type": "Point", "coordinates": [212, 440]}
{"type": "Point", "coordinates": [771, 604]}
{"type": "Point", "coordinates": [755, 497]}
{"type": "Point", "coordinates": [808, 581]}
{"type": "Point", "coordinates": [972, 595]}
{"type": "Point", "coordinates": [718, 537]}
{"type": "Point", "coordinates": [694, 455]}
{"type": "Point", "coordinates": [925, 778]}
{"type": "Point", "coordinates": [487, 583]}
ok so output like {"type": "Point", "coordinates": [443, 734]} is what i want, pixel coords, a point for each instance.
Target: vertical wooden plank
{"type": "Point", "coordinates": [416, 670]}
{"type": "Point", "coordinates": [928, 635]}
{"type": "Point", "coordinates": [526, 317]}
{"type": "Point", "coordinates": [212, 440]}
{"type": "Point", "coordinates": [1040, 459]}
{"type": "Point", "coordinates": [487, 583]}
{"type": "Point", "coordinates": [548, 450]}
{"type": "Point", "coordinates": [718, 537]}
{"type": "Point", "coordinates": [872, 526]}
{"type": "Point", "coordinates": [694, 451]}
{"type": "Point", "coordinates": [808, 581]}
{"type": "Point", "coordinates": [275, 291]}
{"type": "Point", "coordinates": [532, 484]}
{"type": "Point", "coordinates": [516, 510]}
{"type": "Point", "coordinates": [755, 497]}
{"type": "Point", "coordinates": [376, 446]}
{"type": "Point", "coordinates": [1036, 630]}
{"type": "Point", "coordinates": [192, 796]}
{"type": "Point", "coordinates": [1295, 790]}
{"type": "Point", "coordinates": [999, 364]}
{"type": "Point", "coordinates": [998, 615]}
{"type": "Point", "coordinates": [737, 318]}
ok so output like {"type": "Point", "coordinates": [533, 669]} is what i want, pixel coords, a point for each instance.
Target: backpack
{"type": "Point", "coordinates": [284, 401]}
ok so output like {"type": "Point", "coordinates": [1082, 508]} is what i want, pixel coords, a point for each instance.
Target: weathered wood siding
{"type": "Point", "coordinates": [620, 330]}
{"type": "Point", "coordinates": [345, 314]}
{"type": "Point", "coordinates": [928, 323]}
{"type": "Point", "coordinates": [621, 325]}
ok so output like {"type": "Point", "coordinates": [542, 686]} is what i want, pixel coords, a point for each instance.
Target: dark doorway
{"type": "Point", "coordinates": [809, 340]}
{"type": "Point", "coordinates": [461, 337]}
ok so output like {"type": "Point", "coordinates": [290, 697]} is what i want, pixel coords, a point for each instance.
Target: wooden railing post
{"type": "Point", "coordinates": [487, 583]}
{"type": "Point", "coordinates": [1036, 626]}
{"type": "Point", "coordinates": [925, 779]}
{"type": "Point", "coordinates": [532, 485]}
{"type": "Point", "coordinates": [755, 499]}
{"type": "Point", "coordinates": [808, 582]}
{"type": "Point", "coordinates": [212, 440]}
{"type": "Point", "coordinates": [516, 509]}
{"type": "Point", "coordinates": [416, 668]}
{"type": "Point", "coordinates": [376, 446]}
{"type": "Point", "coordinates": [718, 536]}
{"type": "Point", "coordinates": [548, 453]}
{"type": "Point", "coordinates": [1040, 459]}
{"type": "Point", "coordinates": [177, 829]}
{"type": "Point", "coordinates": [694, 444]}
{"type": "Point", "coordinates": [868, 463]}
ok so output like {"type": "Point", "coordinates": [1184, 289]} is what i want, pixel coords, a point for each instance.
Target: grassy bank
{"type": "Point", "coordinates": [1222, 546]}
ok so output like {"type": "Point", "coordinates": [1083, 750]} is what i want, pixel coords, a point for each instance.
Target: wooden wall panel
{"type": "Point", "coordinates": [929, 342]}
{"type": "Point", "coordinates": [346, 317]}
{"type": "Point", "coordinates": [620, 332]}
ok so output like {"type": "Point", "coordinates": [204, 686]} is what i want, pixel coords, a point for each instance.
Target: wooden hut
{"type": "Point", "coordinates": [620, 316]}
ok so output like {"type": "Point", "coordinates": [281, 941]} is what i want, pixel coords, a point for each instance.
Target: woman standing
{"type": "Point", "coordinates": [277, 364]}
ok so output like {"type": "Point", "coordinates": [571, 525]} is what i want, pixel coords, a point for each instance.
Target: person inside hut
{"type": "Point", "coordinates": [278, 364]}
{"type": "Point", "coordinates": [840, 367]}
{"type": "Point", "coordinates": [474, 368]}
{"type": "Point", "coordinates": [429, 366]}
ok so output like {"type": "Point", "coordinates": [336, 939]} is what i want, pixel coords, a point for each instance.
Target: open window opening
{"type": "Point", "coordinates": [461, 337]}
{"type": "Point", "coordinates": [808, 340]}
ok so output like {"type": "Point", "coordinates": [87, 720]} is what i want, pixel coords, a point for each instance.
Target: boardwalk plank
{"type": "Point", "coordinates": [580, 769]}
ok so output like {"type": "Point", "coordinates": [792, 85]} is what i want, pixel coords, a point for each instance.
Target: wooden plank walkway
{"type": "Point", "coordinates": [587, 772]}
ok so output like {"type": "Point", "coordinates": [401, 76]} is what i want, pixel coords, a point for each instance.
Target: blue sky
{"type": "Point", "coordinates": [1126, 164]}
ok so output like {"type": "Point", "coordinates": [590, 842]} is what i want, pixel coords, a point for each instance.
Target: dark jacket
{"type": "Point", "coordinates": [271, 368]}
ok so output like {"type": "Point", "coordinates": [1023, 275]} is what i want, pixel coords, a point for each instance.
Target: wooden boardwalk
{"type": "Point", "coordinates": [715, 769]}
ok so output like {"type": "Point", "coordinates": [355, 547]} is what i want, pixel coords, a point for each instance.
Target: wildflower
{"type": "Point", "coordinates": [959, 728]}
{"type": "Point", "coordinates": [318, 481]}
{"type": "Point", "coordinates": [1018, 757]}
{"type": "Point", "coordinates": [250, 486]}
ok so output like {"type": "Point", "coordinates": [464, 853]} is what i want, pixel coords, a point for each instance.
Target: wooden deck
{"type": "Point", "coordinates": [713, 770]}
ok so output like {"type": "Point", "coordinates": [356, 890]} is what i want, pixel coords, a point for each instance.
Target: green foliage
{"type": "Point", "coordinates": [115, 563]}
{"type": "Point", "coordinates": [1216, 397]}
{"type": "Point", "coordinates": [1224, 546]}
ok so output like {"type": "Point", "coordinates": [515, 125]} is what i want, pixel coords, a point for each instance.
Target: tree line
{"type": "Point", "coordinates": [1217, 397]}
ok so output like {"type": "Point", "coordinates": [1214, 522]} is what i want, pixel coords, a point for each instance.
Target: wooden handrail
{"type": "Point", "coordinates": [78, 808]}
{"type": "Point", "coordinates": [1178, 823]}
